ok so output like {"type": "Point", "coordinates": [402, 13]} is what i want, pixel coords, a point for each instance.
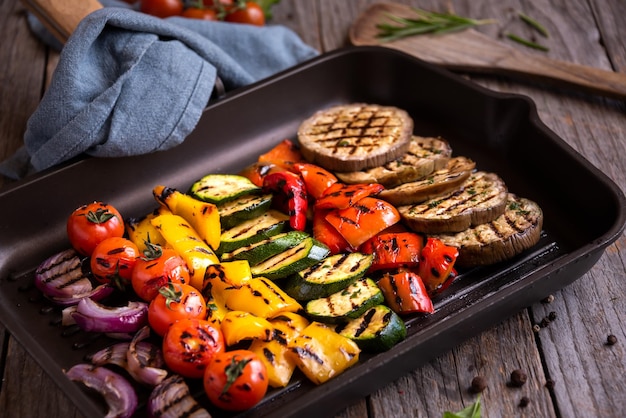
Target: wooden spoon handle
{"type": "Point", "coordinates": [61, 17]}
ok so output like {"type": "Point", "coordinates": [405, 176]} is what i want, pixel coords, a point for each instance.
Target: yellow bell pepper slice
{"type": "Point", "coordinates": [321, 353]}
{"type": "Point", "coordinates": [238, 326]}
{"type": "Point", "coordinates": [141, 230]}
{"type": "Point", "coordinates": [279, 365]}
{"type": "Point", "coordinates": [219, 278]}
{"type": "Point", "coordinates": [261, 297]}
{"type": "Point", "coordinates": [202, 216]}
{"type": "Point", "coordinates": [181, 236]}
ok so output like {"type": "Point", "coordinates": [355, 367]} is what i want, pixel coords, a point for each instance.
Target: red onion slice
{"type": "Point", "coordinates": [97, 294]}
{"type": "Point", "coordinates": [117, 391]}
{"type": "Point", "coordinates": [94, 317]}
{"type": "Point", "coordinates": [145, 360]}
{"type": "Point", "coordinates": [172, 399]}
{"type": "Point", "coordinates": [61, 275]}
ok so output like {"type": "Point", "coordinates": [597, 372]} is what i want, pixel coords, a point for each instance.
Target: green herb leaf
{"type": "Point", "coordinates": [425, 22]}
{"type": "Point", "coordinates": [526, 42]}
{"type": "Point", "coordinates": [472, 411]}
{"type": "Point", "coordinates": [534, 24]}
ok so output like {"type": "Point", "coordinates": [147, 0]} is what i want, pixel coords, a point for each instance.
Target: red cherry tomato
{"type": "Point", "coordinates": [113, 260]}
{"type": "Point", "coordinates": [175, 302]}
{"type": "Point", "coordinates": [251, 14]}
{"type": "Point", "coordinates": [91, 224]}
{"type": "Point", "coordinates": [200, 13]}
{"type": "Point", "coordinates": [235, 380]}
{"type": "Point", "coordinates": [156, 268]}
{"type": "Point", "coordinates": [162, 8]}
{"type": "Point", "coordinates": [190, 344]}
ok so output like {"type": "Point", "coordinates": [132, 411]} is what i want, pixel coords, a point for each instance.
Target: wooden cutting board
{"type": "Point", "coordinates": [471, 51]}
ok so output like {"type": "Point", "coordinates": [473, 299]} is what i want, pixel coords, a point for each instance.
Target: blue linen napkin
{"type": "Point", "coordinates": [128, 83]}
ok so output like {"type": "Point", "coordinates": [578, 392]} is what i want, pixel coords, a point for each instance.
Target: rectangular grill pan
{"type": "Point", "coordinates": [501, 132]}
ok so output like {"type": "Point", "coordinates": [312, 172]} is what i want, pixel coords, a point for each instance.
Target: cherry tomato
{"type": "Point", "coordinates": [235, 380]}
{"type": "Point", "coordinates": [162, 8]}
{"type": "Point", "coordinates": [175, 302]}
{"type": "Point", "coordinates": [113, 260]}
{"type": "Point", "coordinates": [190, 344]}
{"type": "Point", "coordinates": [90, 224]}
{"type": "Point", "coordinates": [200, 13]}
{"type": "Point", "coordinates": [156, 268]}
{"type": "Point", "coordinates": [251, 14]}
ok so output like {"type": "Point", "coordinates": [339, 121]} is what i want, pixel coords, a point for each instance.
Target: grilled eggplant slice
{"type": "Point", "coordinates": [425, 155]}
{"type": "Point", "coordinates": [481, 198]}
{"type": "Point", "coordinates": [439, 182]}
{"type": "Point", "coordinates": [355, 136]}
{"type": "Point", "coordinates": [513, 232]}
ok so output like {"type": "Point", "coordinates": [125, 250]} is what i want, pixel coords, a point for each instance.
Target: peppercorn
{"type": "Point", "coordinates": [544, 322]}
{"type": "Point", "coordinates": [518, 378]}
{"type": "Point", "coordinates": [478, 384]}
{"type": "Point", "coordinates": [611, 340]}
{"type": "Point", "coordinates": [523, 403]}
{"type": "Point", "coordinates": [550, 384]}
{"type": "Point", "coordinates": [548, 299]}
{"type": "Point", "coordinates": [552, 316]}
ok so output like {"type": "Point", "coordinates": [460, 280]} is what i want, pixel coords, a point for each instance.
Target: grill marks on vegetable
{"type": "Point", "coordinates": [68, 267]}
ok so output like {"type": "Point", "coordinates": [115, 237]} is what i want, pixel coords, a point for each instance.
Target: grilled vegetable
{"type": "Point", "coordinates": [327, 234]}
{"type": "Point", "coordinates": [242, 209]}
{"type": "Point", "coordinates": [321, 353]}
{"type": "Point", "coordinates": [436, 263]}
{"type": "Point", "coordinates": [316, 179]}
{"type": "Point", "coordinates": [202, 216]}
{"type": "Point", "coordinates": [238, 326]}
{"type": "Point", "coordinates": [261, 297]}
{"type": "Point", "coordinates": [332, 275]}
{"type": "Point", "coordinates": [172, 398]}
{"type": "Point", "coordinates": [342, 196]}
{"type": "Point", "coordinates": [378, 329]}
{"type": "Point", "coordinates": [219, 278]}
{"type": "Point", "coordinates": [181, 236]}
{"type": "Point", "coordinates": [306, 254]}
{"type": "Point", "coordinates": [273, 353]}
{"type": "Point", "coordinates": [346, 304]}
{"type": "Point", "coordinates": [289, 195]}
{"type": "Point", "coordinates": [262, 250]}
{"type": "Point", "coordinates": [405, 292]}
{"type": "Point", "coordinates": [254, 230]}
{"type": "Point", "coordinates": [284, 155]}
{"type": "Point", "coordinates": [222, 188]}
{"type": "Point", "coordinates": [362, 221]}
{"type": "Point", "coordinates": [394, 250]}
{"type": "Point", "coordinates": [141, 230]}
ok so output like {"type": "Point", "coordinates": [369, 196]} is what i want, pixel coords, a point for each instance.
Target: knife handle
{"type": "Point", "coordinates": [61, 17]}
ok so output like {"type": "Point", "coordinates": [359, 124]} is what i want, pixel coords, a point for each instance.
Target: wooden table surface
{"type": "Point", "coordinates": [572, 372]}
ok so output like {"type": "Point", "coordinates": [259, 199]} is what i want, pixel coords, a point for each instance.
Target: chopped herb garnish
{"type": "Point", "coordinates": [434, 203]}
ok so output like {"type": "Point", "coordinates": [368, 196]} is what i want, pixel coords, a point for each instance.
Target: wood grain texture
{"type": "Point", "coordinates": [570, 350]}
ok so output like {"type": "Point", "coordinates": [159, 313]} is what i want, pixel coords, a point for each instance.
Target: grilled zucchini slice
{"type": "Point", "coordinates": [221, 188]}
{"type": "Point", "coordinates": [346, 304]}
{"type": "Point", "coordinates": [306, 254]}
{"type": "Point", "coordinates": [253, 230]}
{"type": "Point", "coordinates": [333, 275]}
{"type": "Point", "coordinates": [262, 250]}
{"type": "Point", "coordinates": [377, 330]}
{"type": "Point", "coordinates": [243, 208]}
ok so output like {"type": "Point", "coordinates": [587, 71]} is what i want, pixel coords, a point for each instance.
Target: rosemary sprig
{"type": "Point", "coordinates": [534, 24]}
{"type": "Point", "coordinates": [526, 42]}
{"type": "Point", "coordinates": [425, 22]}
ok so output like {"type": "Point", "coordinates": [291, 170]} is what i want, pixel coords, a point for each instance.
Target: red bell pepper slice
{"type": "Point", "coordinates": [324, 232]}
{"type": "Point", "coordinates": [285, 155]}
{"type": "Point", "coordinates": [342, 196]}
{"type": "Point", "coordinates": [436, 264]}
{"type": "Point", "coordinates": [316, 179]}
{"type": "Point", "coordinates": [394, 250]}
{"type": "Point", "coordinates": [405, 292]}
{"type": "Point", "coordinates": [363, 220]}
{"type": "Point", "coordinates": [290, 193]}
{"type": "Point", "coordinates": [256, 172]}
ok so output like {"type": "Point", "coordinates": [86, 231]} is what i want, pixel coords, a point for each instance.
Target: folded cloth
{"type": "Point", "coordinates": [128, 83]}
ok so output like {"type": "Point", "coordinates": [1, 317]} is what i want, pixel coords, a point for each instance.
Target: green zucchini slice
{"type": "Point", "coordinates": [221, 188]}
{"type": "Point", "coordinates": [309, 252]}
{"type": "Point", "coordinates": [262, 250]}
{"type": "Point", "coordinates": [253, 230]}
{"type": "Point", "coordinates": [334, 274]}
{"type": "Point", "coordinates": [346, 304]}
{"type": "Point", "coordinates": [242, 209]}
{"type": "Point", "coordinates": [377, 330]}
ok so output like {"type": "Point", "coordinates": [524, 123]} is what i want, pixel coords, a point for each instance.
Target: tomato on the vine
{"type": "Point", "coordinates": [113, 260]}
{"type": "Point", "coordinates": [200, 13]}
{"type": "Point", "coordinates": [162, 8]}
{"type": "Point", "coordinates": [189, 345]}
{"type": "Point", "coordinates": [235, 380]}
{"type": "Point", "coordinates": [91, 224]}
{"type": "Point", "coordinates": [175, 302]}
{"type": "Point", "coordinates": [156, 268]}
{"type": "Point", "coordinates": [251, 13]}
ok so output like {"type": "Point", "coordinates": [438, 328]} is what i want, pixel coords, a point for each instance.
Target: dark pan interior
{"type": "Point", "coordinates": [502, 133]}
